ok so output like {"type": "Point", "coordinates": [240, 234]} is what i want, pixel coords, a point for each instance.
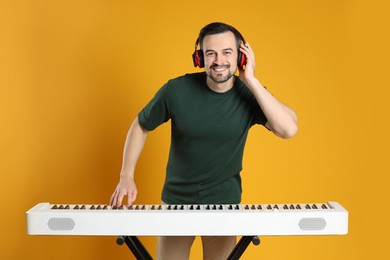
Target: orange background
{"type": "Point", "coordinates": [74, 74]}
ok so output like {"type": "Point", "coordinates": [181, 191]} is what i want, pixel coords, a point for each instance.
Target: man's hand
{"type": "Point", "coordinates": [124, 188]}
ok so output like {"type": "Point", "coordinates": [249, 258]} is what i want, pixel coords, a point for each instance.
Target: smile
{"type": "Point", "coordinates": [220, 69]}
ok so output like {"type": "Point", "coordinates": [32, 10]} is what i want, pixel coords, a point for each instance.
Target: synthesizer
{"type": "Point", "coordinates": [188, 220]}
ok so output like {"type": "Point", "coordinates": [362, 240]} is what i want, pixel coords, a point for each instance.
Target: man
{"type": "Point", "coordinates": [211, 114]}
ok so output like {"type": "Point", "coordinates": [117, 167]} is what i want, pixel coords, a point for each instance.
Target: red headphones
{"type": "Point", "coordinates": [198, 59]}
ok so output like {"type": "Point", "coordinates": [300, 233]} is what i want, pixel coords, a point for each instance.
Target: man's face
{"type": "Point", "coordinates": [220, 56]}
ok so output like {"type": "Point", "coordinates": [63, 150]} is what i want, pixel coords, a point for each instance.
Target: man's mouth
{"type": "Point", "coordinates": [219, 68]}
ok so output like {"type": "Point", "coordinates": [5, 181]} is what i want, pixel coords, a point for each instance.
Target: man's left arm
{"type": "Point", "coordinates": [281, 119]}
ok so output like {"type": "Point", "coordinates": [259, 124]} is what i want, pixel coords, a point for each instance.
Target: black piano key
{"type": "Point", "coordinates": [269, 207]}
{"type": "Point", "coordinates": [208, 207]}
{"type": "Point", "coordinates": [285, 206]}
{"type": "Point", "coordinates": [298, 206]}
{"type": "Point", "coordinates": [198, 207]}
{"type": "Point", "coordinates": [105, 207]}
{"type": "Point", "coordinates": [214, 207]}
{"type": "Point", "coordinates": [230, 207]}
{"type": "Point", "coordinates": [83, 207]}
{"type": "Point", "coordinates": [259, 207]}
{"type": "Point", "coordinates": [61, 207]}
{"type": "Point", "coordinates": [92, 207]}
{"type": "Point", "coordinates": [292, 206]}
{"type": "Point", "coordinates": [324, 206]}
{"type": "Point", "coordinates": [246, 207]}
{"type": "Point", "coordinates": [314, 206]}
{"type": "Point", "coordinates": [159, 207]}
{"type": "Point", "coordinates": [54, 207]}
{"type": "Point", "coordinates": [307, 206]}
{"type": "Point", "coordinates": [220, 207]}
{"type": "Point", "coordinates": [237, 207]}
{"type": "Point", "coordinates": [76, 207]}
{"type": "Point", "coordinates": [99, 207]}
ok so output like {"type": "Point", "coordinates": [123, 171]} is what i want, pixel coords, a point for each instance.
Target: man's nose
{"type": "Point", "coordinates": [218, 59]}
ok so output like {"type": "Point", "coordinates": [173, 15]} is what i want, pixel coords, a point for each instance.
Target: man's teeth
{"type": "Point", "coordinates": [220, 69]}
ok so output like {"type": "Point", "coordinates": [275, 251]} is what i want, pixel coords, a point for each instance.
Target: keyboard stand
{"type": "Point", "coordinates": [140, 252]}
{"type": "Point", "coordinates": [241, 246]}
{"type": "Point", "coordinates": [136, 247]}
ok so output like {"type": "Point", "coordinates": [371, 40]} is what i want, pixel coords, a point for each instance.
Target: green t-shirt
{"type": "Point", "coordinates": [208, 135]}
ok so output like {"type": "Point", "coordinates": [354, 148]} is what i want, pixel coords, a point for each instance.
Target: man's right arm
{"type": "Point", "coordinates": [134, 144]}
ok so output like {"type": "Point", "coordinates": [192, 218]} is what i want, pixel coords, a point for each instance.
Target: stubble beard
{"type": "Point", "coordinates": [219, 78]}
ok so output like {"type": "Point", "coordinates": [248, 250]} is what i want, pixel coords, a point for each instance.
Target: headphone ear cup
{"type": "Point", "coordinates": [241, 56]}
{"type": "Point", "coordinates": [197, 58]}
{"type": "Point", "coordinates": [241, 61]}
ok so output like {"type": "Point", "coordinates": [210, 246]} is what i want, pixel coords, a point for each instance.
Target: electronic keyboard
{"type": "Point", "coordinates": [246, 220]}
{"type": "Point", "coordinates": [182, 220]}
{"type": "Point", "coordinates": [188, 220]}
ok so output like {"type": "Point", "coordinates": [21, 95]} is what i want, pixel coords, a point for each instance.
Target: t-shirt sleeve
{"type": "Point", "coordinates": [156, 112]}
{"type": "Point", "coordinates": [259, 117]}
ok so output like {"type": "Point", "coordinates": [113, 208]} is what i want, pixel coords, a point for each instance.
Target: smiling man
{"type": "Point", "coordinates": [211, 113]}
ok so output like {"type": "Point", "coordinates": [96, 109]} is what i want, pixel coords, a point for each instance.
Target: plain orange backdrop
{"type": "Point", "coordinates": [74, 74]}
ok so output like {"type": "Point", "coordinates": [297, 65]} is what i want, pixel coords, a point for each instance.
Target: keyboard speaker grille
{"type": "Point", "coordinates": [64, 224]}
{"type": "Point", "coordinates": [312, 224]}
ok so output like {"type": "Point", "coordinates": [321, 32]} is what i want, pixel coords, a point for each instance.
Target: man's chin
{"type": "Point", "coordinates": [219, 78]}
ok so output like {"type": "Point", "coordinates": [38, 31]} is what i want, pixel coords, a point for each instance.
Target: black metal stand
{"type": "Point", "coordinates": [136, 247]}
{"type": "Point", "coordinates": [241, 246]}
{"type": "Point", "coordinates": [140, 252]}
